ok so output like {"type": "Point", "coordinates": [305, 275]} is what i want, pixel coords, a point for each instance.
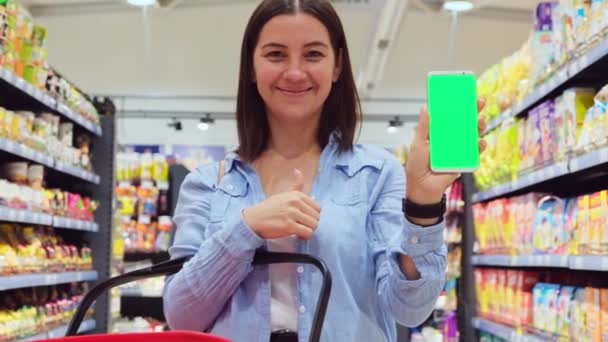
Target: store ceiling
{"type": "Point", "coordinates": [192, 48]}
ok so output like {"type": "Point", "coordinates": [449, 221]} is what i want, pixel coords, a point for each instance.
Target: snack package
{"type": "Point", "coordinates": [594, 325]}
{"type": "Point", "coordinates": [535, 140]}
{"type": "Point", "coordinates": [597, 219]}
{"type": "Point", "coordinates": [582, 10]}
{"type": "Point", "coordinates": [549, 233]}
{"type": "Point", "coordinates": [582, 224]}
{"type": "Point", "coordinates": [547, 131]}
{"type": "Point", "coordinates": [604, 313]}
{"type": "Point", "coordinates": [570, 215]}
{"type": "Point", "coordinates": [576, 102]}
{"type": "Point", "coordinates": [566, 295]}
{"type": "Point", "coordinates": [579, 315]}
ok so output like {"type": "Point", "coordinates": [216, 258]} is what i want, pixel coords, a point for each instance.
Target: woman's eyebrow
{"type": "Point", "coordinates": [307, 45]}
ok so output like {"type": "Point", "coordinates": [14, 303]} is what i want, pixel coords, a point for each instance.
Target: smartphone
{"type": "Point", "coordinates": [453, 131]}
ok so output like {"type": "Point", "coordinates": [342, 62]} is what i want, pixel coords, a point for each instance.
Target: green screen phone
{"type": "Point", "coordinates": [453, 133]}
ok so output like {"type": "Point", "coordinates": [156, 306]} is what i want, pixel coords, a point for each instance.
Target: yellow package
{"type": "Point", "coordinates": [582, 224]}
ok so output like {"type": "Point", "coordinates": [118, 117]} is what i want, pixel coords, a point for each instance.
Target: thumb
{"type": "Point", "coordinates": [422, 130]}
{"type": "Point", "coordinates": [298, 184]}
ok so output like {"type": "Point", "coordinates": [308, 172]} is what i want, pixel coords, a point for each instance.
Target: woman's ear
{"type": "Point", "coordinates": [338, 67]}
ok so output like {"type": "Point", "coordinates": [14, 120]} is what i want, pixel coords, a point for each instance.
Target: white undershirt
{"type": "Point", "coordinates": [283, 299]}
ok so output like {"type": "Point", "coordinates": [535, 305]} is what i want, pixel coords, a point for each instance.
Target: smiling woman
{"type": "Point", "coordinates": [293, 51]}
{"type": "Point", "coordinates": [299, 183]}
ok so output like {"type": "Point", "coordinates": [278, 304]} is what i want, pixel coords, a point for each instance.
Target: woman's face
{"type": "Point", "coordinates": [294, 66]}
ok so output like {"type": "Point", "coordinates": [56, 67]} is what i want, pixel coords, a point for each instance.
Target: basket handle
{"type": "Point", "coordinates": [173, 266]}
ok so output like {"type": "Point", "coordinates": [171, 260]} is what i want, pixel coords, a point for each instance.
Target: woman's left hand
{"type": "Point", "coordinates": [423, 185]}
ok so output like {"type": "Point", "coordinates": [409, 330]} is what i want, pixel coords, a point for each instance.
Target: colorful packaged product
{"type": "Point", "coordinates": [598, 211]}
{"type": "Point", "coordinates": [604, 313]}
{"type": "Point", "coordinates": [594, 320]}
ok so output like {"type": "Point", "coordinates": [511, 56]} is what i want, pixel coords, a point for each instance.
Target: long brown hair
{"type": "Point", "coordinates": [342, 109]}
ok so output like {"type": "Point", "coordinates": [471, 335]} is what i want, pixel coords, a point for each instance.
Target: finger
{"type": "Point", "coordinates": [481, 103]}
{"type": "Point", "coordinates": [482, 145]}
{"type": "Point", "coordinates": [309, 210]}
{"type": "Point", "coordinates": [301, 231]}
{"type": "Point", "coordinates": [307, 220]}
{"type": "Point", "coordinates": [310, 202]}
{"type": "Point", "coordinates": [298, 183]}
{"type": "Point", "coordinates": [422, 130]}
{"type": "Point", "coordinates": [481, 124]}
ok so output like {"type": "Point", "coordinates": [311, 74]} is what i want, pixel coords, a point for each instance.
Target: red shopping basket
{"type": "Point", "coordinates": [172, 267]}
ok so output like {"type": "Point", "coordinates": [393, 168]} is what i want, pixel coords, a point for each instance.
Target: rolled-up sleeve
{"type": "Point", "coordinates": [194, 296]}
{"type": "Point", "coordinates": [410, 302]}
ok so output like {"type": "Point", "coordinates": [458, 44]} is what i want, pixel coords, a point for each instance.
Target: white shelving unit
{"type": "Point", "coordinates": [29, 217]}
{"type": "Point", "coordinates": [504, 331]}
{"type": "Point", "coordinates": [86, 326]}
{"type": "Point", "coordinates": [19, 281]}
{"type": "Point", "coordinates": [573, 262]}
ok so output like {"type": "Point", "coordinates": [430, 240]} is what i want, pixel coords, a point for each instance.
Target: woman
{"type": "Point", "coordinates": [297, 183]}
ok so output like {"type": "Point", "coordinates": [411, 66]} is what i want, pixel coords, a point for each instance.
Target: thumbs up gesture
{"type": "Point", "coordinates": [288, 213]}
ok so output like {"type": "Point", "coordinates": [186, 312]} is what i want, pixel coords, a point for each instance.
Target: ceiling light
{"type": "Point", "coordinates": [205, 122]}
{"type": "Point", "coordinates": [457, 5]}
{"type": "Point", "coordinates": [141, 3]}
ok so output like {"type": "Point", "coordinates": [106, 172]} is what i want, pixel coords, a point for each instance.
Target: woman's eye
{"type": "Point", "coordinates": [274, 54]}
{"type": "Point", "coordinates": [314, 54]}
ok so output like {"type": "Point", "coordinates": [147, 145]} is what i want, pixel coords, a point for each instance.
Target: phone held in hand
{"type": "Point", "coordinates": [453, 130]}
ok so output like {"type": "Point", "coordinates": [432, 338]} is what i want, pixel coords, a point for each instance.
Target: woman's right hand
{"type": "Point", "coordinates": [285, 214]}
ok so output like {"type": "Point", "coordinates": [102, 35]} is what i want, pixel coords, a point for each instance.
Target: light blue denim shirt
{"type": "Point", "coordinates": [361, 233]}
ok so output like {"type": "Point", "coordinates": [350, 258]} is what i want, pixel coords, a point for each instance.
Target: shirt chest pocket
{"type": "Point", "coordinates": [351, 185]}
{"type": "Point", "coordinates": [228, 199]}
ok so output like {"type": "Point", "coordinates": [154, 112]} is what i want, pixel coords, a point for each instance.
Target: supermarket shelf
{"type": "Point", "coordinates": [25, 152]}
{"type": "Point", "coordinates": [24, 216]}
{"type": "Point", "coordinates": [589, 262]}
{"type": "Point", "coordinates": [503, 331]}
{"type": "Point", "coordinates": [47, 100]}
{"type": "Point", "coordinates": [38, 157]}
{"type": "Point", "coordinates": [559, 78]}
{"type": "Point", "coordinates": [77, 172]}
{"type": "Point", "coordinates": [574, 262]}
{"type": "Point", "coordinates": [79, 119]}
{"type": "Point", "coordinates": [27, 88]}
{"type": "Point", "coordinates": [589, 160]}
{"type": "Point", "coordinates": [556, 261]}
{"type": "Point", "coordinates": [549, 172]}
{"type": "Point", "coordinates": [44, 279]}
{"type": "Point", "coordinates": [64, 222]}
{"type": "Point", "coordinates": [86, 326]}
{"type": "Point", "coordinates": [30, 217]}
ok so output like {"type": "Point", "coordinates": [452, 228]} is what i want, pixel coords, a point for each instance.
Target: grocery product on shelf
{"type": "Point", "coordinates": [526, 300]}
{"type": "Point", "coordinates": [26, 312]}
{"type": "Point", "coordinates": [573, 123]}
{"type": "Point", "coordinates": [30, 249]}
{"type": "Point", "coordinates": [537, 223]}
{"type": "Point", "coordinates": [23, 52]}
{"type": "Point", "coordinates": [562, 31]}
{"type": "Point", "coordinates": [21, 187]}
{"type": "Point", "coordinates": [44, 132]}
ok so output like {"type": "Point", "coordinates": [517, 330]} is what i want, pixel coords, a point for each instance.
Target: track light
{"type": "Point", "coordinates": [141, 3]}
{"type": "Point", "coordinates": [458, 6]}
{"type": "Point", "coordinates": [393, 125]}
{"type": "Point", "coordinates": [175, 124]}
{"type": "Point", "coordinates": [206, 122]}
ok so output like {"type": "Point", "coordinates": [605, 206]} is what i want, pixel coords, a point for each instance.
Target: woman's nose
{"type": "Point", "coordinates": [294, 71]}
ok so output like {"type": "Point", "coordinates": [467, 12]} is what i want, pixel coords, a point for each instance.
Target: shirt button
{"type": "Point", "coordinates": [300, 269]}
{"type": "Point", "coordinates": [302, 309]}
{"type": "Point", "coordinates": [414, 239]}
